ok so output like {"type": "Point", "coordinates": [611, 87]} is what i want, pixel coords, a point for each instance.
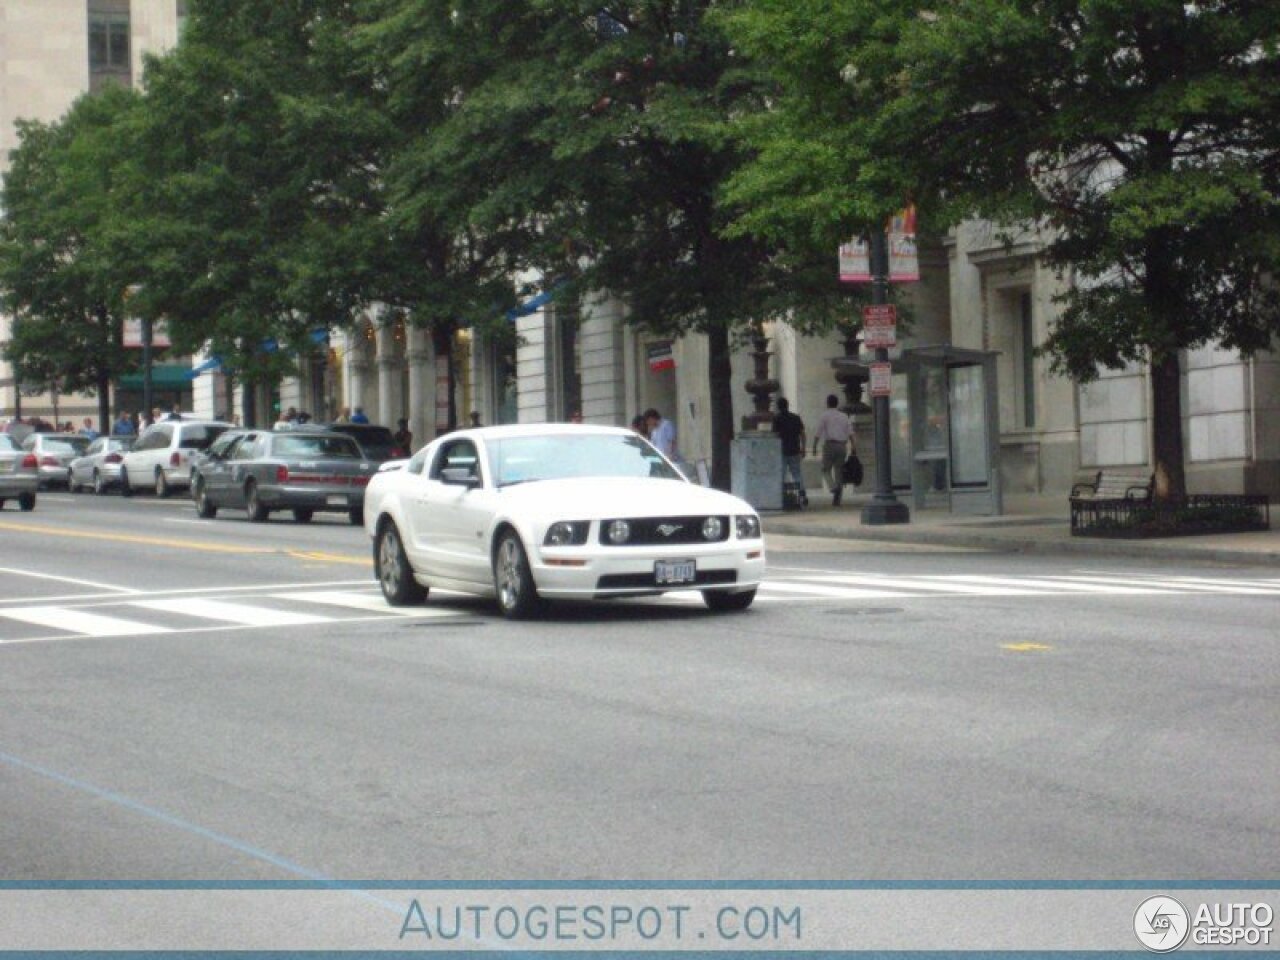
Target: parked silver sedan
{"type": "Point", "coordinates": [99, 468]}
{"type": "Point", "coordinates": [18, 479]}
{"type": "Point", "coordinates": [54, 453]}
{"type": "Point", "coordinates": [261, 471]}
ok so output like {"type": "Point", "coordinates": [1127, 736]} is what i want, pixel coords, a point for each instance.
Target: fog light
{"type": "Point", "coordinates": [619, 532]}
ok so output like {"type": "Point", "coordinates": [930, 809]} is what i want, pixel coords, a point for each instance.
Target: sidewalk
{"type": "Point", "coordinates": [1031, 524]}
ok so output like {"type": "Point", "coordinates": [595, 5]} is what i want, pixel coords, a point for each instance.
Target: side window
{"type": "Point", "coordinates": [460, 453]}
{"type": "Point", "coordinates": [96, 447]}
{"type": "Point", "coordinates": [159, 439]}
{"type": "Point", "coordinates": [418, 463]}
{"type": "Point", "coordinates": [247, 448]}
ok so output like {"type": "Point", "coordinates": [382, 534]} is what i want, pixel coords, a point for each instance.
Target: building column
{"type": "Point", "coordinates": [388, 375]}
{"type": "Point", "coordinates": [422, 386]}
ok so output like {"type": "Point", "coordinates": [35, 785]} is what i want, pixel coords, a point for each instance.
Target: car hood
{"type": "Point", "coordinates": [617, 497]}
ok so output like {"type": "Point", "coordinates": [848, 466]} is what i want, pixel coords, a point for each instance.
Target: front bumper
{"type": "Point", "coordinates": [598, 571]}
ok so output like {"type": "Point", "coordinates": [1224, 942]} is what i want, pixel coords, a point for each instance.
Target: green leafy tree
{"type": "Point", "coordinates": [58, 260]}
{"type": "Point", "coordinates": [1139, 138]}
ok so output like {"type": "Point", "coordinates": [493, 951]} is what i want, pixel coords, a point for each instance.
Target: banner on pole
{"type": "Point", "coordinates": [904, 262]}
{"type": "Point", "coordinates": [855, 261]}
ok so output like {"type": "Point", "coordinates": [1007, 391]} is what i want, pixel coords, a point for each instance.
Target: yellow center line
{"type": "Point", "coordinates": [1025, 647]}
{"type": "Point", "coordinates": [196, 545]}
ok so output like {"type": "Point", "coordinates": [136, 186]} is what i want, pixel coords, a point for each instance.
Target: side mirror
{"type": "Point", "coordinates": [459, 477]}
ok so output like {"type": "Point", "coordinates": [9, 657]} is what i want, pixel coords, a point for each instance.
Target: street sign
{"type": "Point", "coordinates": [133, 333]}
{"type": "Point", "coordinates": [881, 379]}
{"type": "Point", "coordinates": [880, 326]}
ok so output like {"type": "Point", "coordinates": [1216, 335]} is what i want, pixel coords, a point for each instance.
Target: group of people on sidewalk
{"type": "Point", "coordinates": [834, 436]}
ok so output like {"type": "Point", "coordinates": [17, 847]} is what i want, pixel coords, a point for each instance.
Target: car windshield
{"type": "Point", "coordinates": [305, 447]}
{"type": "Point", "coordinates": [76, 445]}
{"type": "Point", "coordinates": [561, 456]}
{"type": "Point", "coordinates": [199, 437]}
{"type": "Point", "coordinates": [120, 443]}
{"type": "Point", "coordinates": [377, 442]}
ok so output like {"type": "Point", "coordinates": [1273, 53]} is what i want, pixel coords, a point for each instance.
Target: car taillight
{"type": "Point", "coordinates": [29, 462]}
{"type": "Point", "coordinates": [113, 458]}
{"type": "Point", "coordinates": [398, 454]}
{"type": "Point", "coordinates": [175, 458]}
{"type": "Point", "coordinates": [282, 474]}
{"type": "Point", "coordinates": [50, 462]}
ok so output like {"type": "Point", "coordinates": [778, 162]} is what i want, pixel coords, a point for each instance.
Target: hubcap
{"type": "Point", "coordinates": [389, 562]}
{"type": "Point", "coordinates": [509, 573]}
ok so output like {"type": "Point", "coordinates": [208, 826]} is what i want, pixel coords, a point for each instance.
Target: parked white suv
{"type": "Point", "coordinates": [161, 459]}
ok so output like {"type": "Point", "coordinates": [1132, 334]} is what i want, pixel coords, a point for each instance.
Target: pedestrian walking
{"type": "Point", "coordinates": [835, 434]}
{"type": "Point", "coordinates": [403, 437]}
{"type": "Point", "coordinates": [123, 427]}
{"type": "Point", "coordinates": [88, 431]}
{"type": "Point", "coordinates": [790, 430]}
{"type": "Point", "coordinates": [358, 416]}
{"type": "Point", "coordinates": [662, 433]}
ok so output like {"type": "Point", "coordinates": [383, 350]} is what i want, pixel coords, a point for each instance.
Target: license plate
{"type": "Point", "coordinates": [667, 572]}
{"type": "Point", "coordinates": [7, 466]}
{"type": "Point", "coordinates": [336, 500]}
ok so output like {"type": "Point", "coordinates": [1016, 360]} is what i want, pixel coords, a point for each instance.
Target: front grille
{"type": "Point", "coordinates": [645, 581]}
{"type": "Point", "coordinates": [650, 531]}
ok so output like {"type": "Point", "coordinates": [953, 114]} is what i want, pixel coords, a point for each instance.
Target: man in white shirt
{"type": "Point", "coordinates": [835, 434]}
{"type": "Point", "coordinates": [662, 433]}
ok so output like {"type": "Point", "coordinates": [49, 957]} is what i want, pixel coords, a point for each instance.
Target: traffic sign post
{"type": "Point", "coordinates": [881, 380]}
{"type": "Point", "coordinates": [884, 508]}
{"type": "Point", "coordinates": [880, 326]}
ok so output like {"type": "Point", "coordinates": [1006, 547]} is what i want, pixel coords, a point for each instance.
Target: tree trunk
{"type": "Point", "coordinates": [1166, 427]}
{"type": "Point", "coordinates": [720, 381]}
{"type": "Point", "coordinates": [104, 401]}
{"type": "Point", "coordinates": [248, 402]}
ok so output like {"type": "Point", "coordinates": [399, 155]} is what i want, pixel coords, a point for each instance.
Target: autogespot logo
{"type": "Point", "coordinates": [1161, 924]}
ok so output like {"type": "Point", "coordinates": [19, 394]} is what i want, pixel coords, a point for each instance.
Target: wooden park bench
{"type": "Point", "coordinates": [1116, 485]}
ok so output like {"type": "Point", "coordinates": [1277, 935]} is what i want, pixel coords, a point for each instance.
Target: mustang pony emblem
{"type": "Point", "coordinates": [667, 529]}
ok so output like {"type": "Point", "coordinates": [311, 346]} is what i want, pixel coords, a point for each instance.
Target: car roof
{"type": "Point", "coordinates": [508, 431]}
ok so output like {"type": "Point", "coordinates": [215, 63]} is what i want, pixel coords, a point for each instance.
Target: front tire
{"type": "Point", "coordinates": [27, 502]}
{"type": "Point", "coordinates": [303, 516]}
{"type": "Point", "coordinates": [99, 488]}
{"type": "Point", "coordinates": [395, 575]}
{"type": "Point", "coordinates": [513, 581]}
{"type": "Point", "coordinates": [162, 485]}
{"type": "Point", "coordinates": [355, 516]}
{"type": "Point", "coordinates": [125, 489]}
{"type": "Point", "coordinates": [205, 509]}
{"type": "Point", "coordinates": [253, 504]}
{"type": "Point", "coordinates": [722, 601]}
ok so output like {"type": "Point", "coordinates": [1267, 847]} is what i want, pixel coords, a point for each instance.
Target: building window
{"type": "Point", "coordinates": [182, 16]}
{"type": "Point", "coordinates": [109, 60]}
{"type": "Point", "coordinates": [1026, 359]}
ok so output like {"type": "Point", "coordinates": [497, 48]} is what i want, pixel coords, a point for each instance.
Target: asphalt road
{"type": "Point", "coordinates": [218, 700]}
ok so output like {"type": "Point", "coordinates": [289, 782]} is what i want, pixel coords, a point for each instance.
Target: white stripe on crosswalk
{"type": "Point", "coordinates": [1172, 584]}
{"type": "Point", "coordinates": [231, 612]}
{"type": "Point", "coordinates": [926, 584]}
{"type": "Point", "coordinates": [1269, 586]}
{"type": "Point", "coordinates": [371, 602]}
{"type": "Point", "coordinates": [72, 620]}
{"type": "Point", "coordinates": [1042, 587]}
{"type": "Point", "coordinates": [824, 590]}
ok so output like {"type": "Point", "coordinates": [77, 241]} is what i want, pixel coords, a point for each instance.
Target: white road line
{"type": "Point", "coordinates": [1218, 581]}
{"type": "Point", "coordinates": [1175, 586]}
{"type": "Point", "coordinates": [182, 520]}
{"type": "Point", "coordinates": [80, 583]}
{"type": "Point", "coordinates": [231, 612]}
{"type": "Point", "coordinates": [925, 584]}
{"type": "Point", "coordinates": [1040, 586]}
{"type": "Point", "coordinates": [370, 602]}
{"type": "Point", "coordinates": [78, 621]}
{"type": "Point", "coordinates": [817, 589]}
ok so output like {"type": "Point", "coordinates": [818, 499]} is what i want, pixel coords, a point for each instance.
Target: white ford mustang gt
{"type": "Point", "coordinates": [557, 511]}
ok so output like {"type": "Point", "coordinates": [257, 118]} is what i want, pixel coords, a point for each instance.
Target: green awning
{"type": "Point", "coordinates": [164, 376]}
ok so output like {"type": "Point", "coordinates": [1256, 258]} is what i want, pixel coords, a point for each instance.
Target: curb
{"type": "Point", "coordinates": [1148, 549]}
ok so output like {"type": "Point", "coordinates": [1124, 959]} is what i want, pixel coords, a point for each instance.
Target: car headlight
{"type": "Point", "coordinates": [566, 534]}
{"type": "Point", "coordinates": [619, 532]}
{"type": "Point", "coordinates": [748, 527]}
{"type": "Point", "coordinates": [712, 528]}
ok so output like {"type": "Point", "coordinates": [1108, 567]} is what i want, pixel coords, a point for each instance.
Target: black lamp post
{"type": "Point", "coordinates": [884, 508]}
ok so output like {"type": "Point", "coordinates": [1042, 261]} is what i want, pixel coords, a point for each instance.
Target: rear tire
{"type": "Point", "coordinates": [513, 581]}
{"type": "Point", "coordinates": [303, 516]}
{"type": "Point", "coordinates": [162, 485]}
{"type": "Point", "coordinates": [722, 601]}
{"type": "Point", "coordinates": [356, 516]}
{"type": "Point", "coordinates": [99, 488]}
{"type": "Point", "coordinates": [253, 504]}
{"type": "Point", "coordinates": [394, 573]}
{"type": "Point", "coordinates": [205, 509]}
{"type": "Point", "coordinates": [27, 502]}
{"type": "Point", "coordinates": [125, 489]}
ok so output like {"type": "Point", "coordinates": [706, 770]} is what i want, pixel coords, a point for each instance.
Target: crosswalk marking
{"type": "Point", "coordinates": [1039, 586]}
{"type": "Point", "coordinates": [371, 602]}
{"type": "Point", "coordinates": [78, 621]}
{"type": "Point", "coordinates": [820, 589]}
{"type": "Point", "coordinates": [1177, 585]}
{"type": "Point", "coordinates": [927, 584]}
{"type": "Point", "coordinates": [231, 612]}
